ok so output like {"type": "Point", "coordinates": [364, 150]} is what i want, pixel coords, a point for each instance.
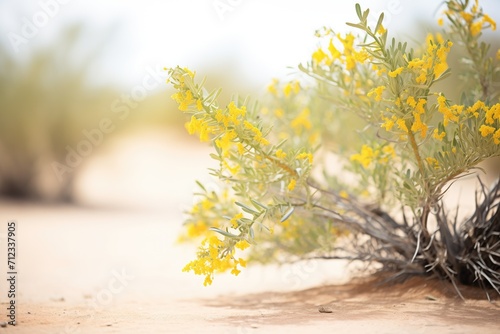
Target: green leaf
{"type": "Point", "coordinates": [379, 22]}
{"type": "Point", "coordinates": [355, 25]}
{"type": "Point", "coordinates": [247, 209]}
{"type": "Point", "coordinates": [215, 157]}
{"type": "Point", "coordinates": [358, 10]}
{"type": "Point", "coordinates": [258, 204]}
{"type": "Point", "coordinates": [287, 214]}
{"type": "Point", "coordinates": [224, 233]}
{"type": "Point", "coordinates": [200, 185]}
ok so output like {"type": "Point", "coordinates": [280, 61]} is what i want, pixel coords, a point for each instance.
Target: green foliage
{"type": "Point", "coordinates": [414, 142]}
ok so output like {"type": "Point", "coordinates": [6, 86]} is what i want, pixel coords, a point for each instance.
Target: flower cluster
{"type": "Point", "coordinates": [340, 49]}
{"type": "Point", "coordinates": [253, 170]}
{"type": "Point", "coordinates": [471, 18]}
{"type": "Point", "coordinates": [397, 139]}
{"type": "Point", "coordinates": [369, 156]}
{"type": "Point", "coordinates": [214, 256]}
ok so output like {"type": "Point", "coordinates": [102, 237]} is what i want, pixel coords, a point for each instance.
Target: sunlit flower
{"type": "Point", "coordinates": [378, 93]}
{"type": "Point", "coordinates": [396, 72]}
{"type": "Point", "coordinates": [486, 130]}
{"type": "Point", "coordinates": [307, 156]}
{"type": "Point", "coordinates": [301, 121]}
{"type": "Point", "coordinates": [280, 154]}
{"type": "Point", "coordinates": [437, 135]}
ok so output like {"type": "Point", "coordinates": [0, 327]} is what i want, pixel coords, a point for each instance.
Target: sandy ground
{"type": "Point", "coordinates": [112, 265]}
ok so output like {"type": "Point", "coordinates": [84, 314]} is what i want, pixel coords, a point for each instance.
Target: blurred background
{"type": "Point", "coordinates": [86, 121]}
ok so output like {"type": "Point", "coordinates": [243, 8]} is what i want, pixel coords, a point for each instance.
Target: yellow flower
{"type": "Point", "coordinates": [415, 63]}
{"type": "Point", "coordinates": [439, 69]}
{"type": "Point", "coordinates": [257, 134]}
{"type": "Point", "coordinates": [389, 123]}
{"type": "Point", "coordinates": [441, 54]}
{"type": "Point", "coordinates": [418, 125]}
{"type": "Point", "coordinates": [449, 113]}
{"type": "Point", "coordinates": [439, 38]}
{"type": "Point", "coordinates": [402, 124]}
{"type": "Point", "coordinates": [422, 78]}
{"type": "Point", "coordinates": [293, 86]}
{"type": "Point", "coordinates": [234, 220]}
{"type": "Point", "coordinates": [474, 9]}
{"type": "Point", "coordinates": [319, 56]}
{"type": "Point", "coordinates": [235, 113]}
{"type": "Point", "coordinates": [184, 100]}
{"type": "Point", "coordinates": [271, 88]}
{"type": "Point", "coordinates": [242, 262]}
{"type": "Point", "coordinates": [241, 148]}
{"type": "Point", "coordinates": [379, 71]}
{"type": "Point", "coordinates": [488, 19]}
{"type": "Point", "coordinates": [378, 92]}
{"type": "Point", "coordinates": [411, 101]}
{"type": "Point", "coordinates": [242, 244]}
{"type": "Point", "coordinates": [208, 280]}
{"type": "Point", "coordinates": [225, 142]}
{"type": "Point", "coordinates": [193, 126]}
{"type": "Point", "coordinates": [287, 90]}
{"type": "Point", "coordinates": [381, 30]}
{"type": "Point", "coordinates": [261, 140]}
{"type": "Point", "coordinates": [396, 72]}
{"type": "Point", "coordinates": [301, 121]}
{"type": "Point", "coordinates": [199, 105]}
{"type": "Point", "coordinates": [475, 107]}
{"type": "Point", "coordinates": [496, 137]}
{"type": "Point", "coordinates": [433, 162]}
{"type": "Point", "coordinates": [366, 156]}
{"type": "Point", "coordinates": [437, 135]}
{"type": "Point", "coordinates": [492, 114]}
{"type": "Point", "coordinates": [292, 184]}
{"type": "Point", "coordinates": [486, 130]}
{"type": "Point", "coordinates": [208, 260]}
{"type": "Point", "coordinates": [280, 154]}
{"type": "Point", "coordinates": [189, 72]}
{"type": "Point", "coordinates": [440, 22]}
{"type": "Point", "coordinates": [420, 106]}
{"type": "Point", "coordinates": [333, 50]}
{"type": "Point", "coordinates": [475, 28]}
{"type": "Point", "coordinates": [196, 229]}
{"type": "Point", "coordinates": [467, 16]}
{"type": "Point", "coordinates": [198, 126]}
{"type": "Point", "coordinates": [307, 156]}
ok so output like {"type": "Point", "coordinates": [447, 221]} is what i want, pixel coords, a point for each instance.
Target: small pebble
{"type": "Point", "coordinates": [324, 309]}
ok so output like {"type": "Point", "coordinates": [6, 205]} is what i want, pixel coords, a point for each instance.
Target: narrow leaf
{"type": "Point", "coordinates": [287, 214]}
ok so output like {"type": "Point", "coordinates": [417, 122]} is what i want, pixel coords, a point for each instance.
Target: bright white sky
{"type": "Point", "coordinates": [256, 38]}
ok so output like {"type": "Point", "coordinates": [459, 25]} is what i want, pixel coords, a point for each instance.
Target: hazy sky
{"type": "Point", "coordinates": [257, 39]}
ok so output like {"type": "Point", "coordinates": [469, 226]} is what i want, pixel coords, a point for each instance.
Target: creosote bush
{"type": "Point", "coordinates": [385, 206]}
